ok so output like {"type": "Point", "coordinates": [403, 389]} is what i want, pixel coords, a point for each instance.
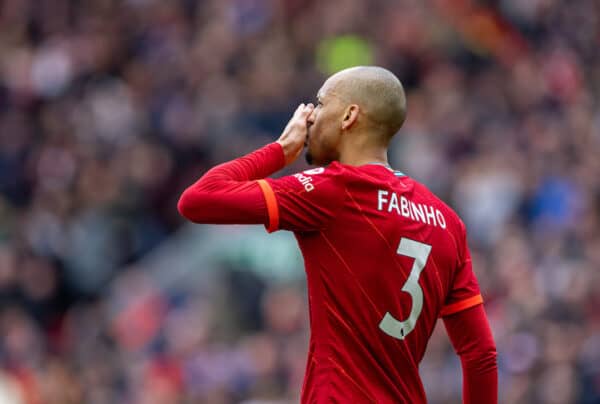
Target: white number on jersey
{"type": "Point", "coordinates": [420, 252]}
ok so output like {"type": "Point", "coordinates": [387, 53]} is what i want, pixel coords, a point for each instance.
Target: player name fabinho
{"type": "Point", "coordinates": [389, 201]}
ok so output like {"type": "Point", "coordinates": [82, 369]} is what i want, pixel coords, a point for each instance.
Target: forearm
{"type": "Point", "coordinates": [480, 378]}
{"type": "Point", "coordinates": [259, 164]}
{"type": "Point", "coordinates": [472, 339]}
{"type": "Point", "coordinates": [228, 193]}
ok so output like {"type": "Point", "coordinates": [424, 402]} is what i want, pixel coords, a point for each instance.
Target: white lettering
{"type": "Point", "coordinates": [306, 181]}
{"type": "Point", "coordinates": [404, 207]}
{"type": "Point", "coordinates": [430, 214]}
{"type": "Point", "coordinates": [380, 198]}
{"type": "Point", "coordinates": [419, 215]}
{"type": "Point", "coordinates": [314, 171]}
{"type": "Point", "coordinates": [394, 203]}
{"type": "Point", "coordinates": [441, 219]}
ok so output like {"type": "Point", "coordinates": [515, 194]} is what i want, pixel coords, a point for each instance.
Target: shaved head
{"type": "Point", "coordinates": [378, 93]}
{"type": "Point", "coordinates": [357, 113]}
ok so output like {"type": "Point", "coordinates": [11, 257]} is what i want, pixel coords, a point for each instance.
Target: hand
{"type": "Point", "coordinates": [294, 135]}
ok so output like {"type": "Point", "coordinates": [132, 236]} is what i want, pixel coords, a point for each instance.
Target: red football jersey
{"type": "Point", "coordinates": [385, 258]}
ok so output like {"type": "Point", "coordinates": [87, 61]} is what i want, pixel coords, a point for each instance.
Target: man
{"type": "Point", "coordinates": [384, 257]}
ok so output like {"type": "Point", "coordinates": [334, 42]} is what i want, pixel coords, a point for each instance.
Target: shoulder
{"type": "Point", "coordinates": [307, 200]}
{"type": "Point", "coordinates": [314, 180]}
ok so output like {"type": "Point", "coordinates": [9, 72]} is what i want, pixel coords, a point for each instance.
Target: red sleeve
{"type": "Point", "coordinates": [472, 339]}
{"type": "Point", "coordinates": [229, 193]}
{"type": "Point", "coordinates": [305, 201]}
{"type": "Point", "coordinates": [464, 291]}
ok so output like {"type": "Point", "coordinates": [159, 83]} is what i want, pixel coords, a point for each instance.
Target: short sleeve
{"type": "Point", "coordinates": [464, 290]}
{"type": "Point", "coordinates": [305, 201]}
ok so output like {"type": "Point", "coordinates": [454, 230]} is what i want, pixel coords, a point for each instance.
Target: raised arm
{"type": "Point", "coordinates": [472, 339]}
{"type": "Point", "coordinates": [230, 194]}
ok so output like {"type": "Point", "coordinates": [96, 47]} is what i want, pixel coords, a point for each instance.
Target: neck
{"type": "Point", "coordinates": [358, 151]}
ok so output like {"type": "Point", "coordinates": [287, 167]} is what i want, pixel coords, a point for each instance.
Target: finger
{"type": "Point", "coordinates": [299, 109]}
{"type": "Point", "coordinates": [307, 110]}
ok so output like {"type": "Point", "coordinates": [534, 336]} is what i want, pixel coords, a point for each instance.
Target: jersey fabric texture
{"type": "Point", "coordinates": [384, 259]}
{"type": "Point", "coordinates": [349, 222]}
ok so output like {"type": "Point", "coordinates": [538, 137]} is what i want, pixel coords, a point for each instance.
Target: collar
{"type": "Point", "coordinates": [396, 172]}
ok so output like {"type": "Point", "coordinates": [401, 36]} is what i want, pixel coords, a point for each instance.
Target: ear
{"type": "Point", "coordinates": [350, 116]}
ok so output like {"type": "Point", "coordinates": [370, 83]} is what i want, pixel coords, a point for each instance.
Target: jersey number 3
{"type": "Point", "coordinates": [420, 252]}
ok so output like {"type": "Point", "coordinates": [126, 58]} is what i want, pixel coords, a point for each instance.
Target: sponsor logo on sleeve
{"type": "Point", "coordinates": [305, 177]}
{"type": "Point", "coordinates": [314, 171]}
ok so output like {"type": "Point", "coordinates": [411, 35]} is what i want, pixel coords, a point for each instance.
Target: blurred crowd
{"type": "Point", "coordinates": [109, 108]}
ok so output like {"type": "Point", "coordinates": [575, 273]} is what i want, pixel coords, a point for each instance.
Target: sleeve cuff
{"type": "Point", "coordinates": [461, 305]}
{"type": "Point", "coordinates": [272, 207]}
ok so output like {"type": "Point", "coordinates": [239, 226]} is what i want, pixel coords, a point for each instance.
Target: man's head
{"type": "Point", "coordinates": [359, 101]}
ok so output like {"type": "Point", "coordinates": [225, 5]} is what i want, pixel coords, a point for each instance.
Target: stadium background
{"type": "Point", "coordinates": [109, 108]}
